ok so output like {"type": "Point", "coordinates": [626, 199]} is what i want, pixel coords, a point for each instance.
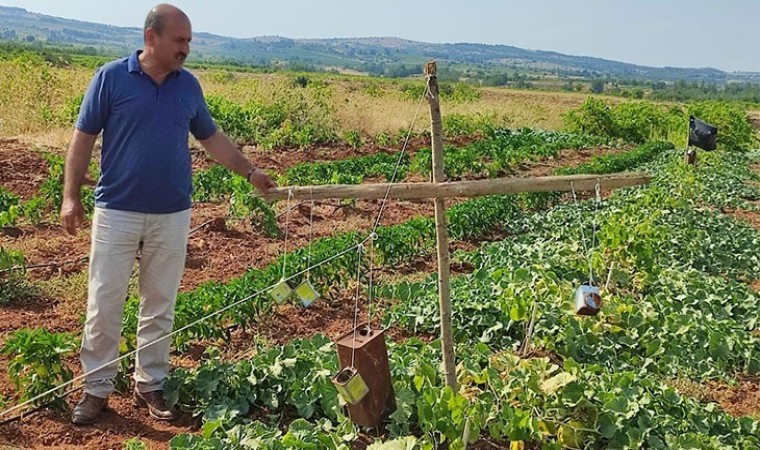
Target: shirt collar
{"type": "Point", "coordinates": [133, 64]}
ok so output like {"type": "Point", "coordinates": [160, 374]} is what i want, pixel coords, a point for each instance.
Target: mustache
{"type": "Point", "coordinates": [183, 55]}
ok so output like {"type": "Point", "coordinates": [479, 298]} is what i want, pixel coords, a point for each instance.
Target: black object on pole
{"type": "Point", "coordinates": [702, 134]}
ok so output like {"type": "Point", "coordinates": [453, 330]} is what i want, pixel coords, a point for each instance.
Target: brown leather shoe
{"type": "Point", "coordinates": [88, 410]}
{"type": "Point", "coordinates": [157, 407]}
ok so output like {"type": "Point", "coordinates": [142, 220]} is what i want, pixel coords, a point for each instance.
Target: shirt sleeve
{"type": "Point", "coordinates": [93, 114]}
{"type": "Point", "coordinates": [202, 124]}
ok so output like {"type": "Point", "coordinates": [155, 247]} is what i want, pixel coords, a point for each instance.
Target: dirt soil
{"type": "Point", "coordinates": [22, 171]}
{"type": "Point", "coordinates": [218, 250]}
{"type": "Point", "coordinates": [751, 217]}
{"type": "Point", "coordinates": [739, 400]}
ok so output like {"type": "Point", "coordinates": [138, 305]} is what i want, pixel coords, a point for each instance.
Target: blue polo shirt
{"type": "Point", "coordinates": [145, 161]}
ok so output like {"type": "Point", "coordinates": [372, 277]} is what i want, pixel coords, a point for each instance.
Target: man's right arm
{"type": "Point", "coordinates": [77, 160]}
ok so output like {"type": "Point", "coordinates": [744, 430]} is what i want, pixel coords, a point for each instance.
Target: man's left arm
{"type": "Point", "coordinates": [226, 153]}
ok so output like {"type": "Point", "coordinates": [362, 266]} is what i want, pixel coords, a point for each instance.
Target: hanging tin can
{"type": "Point", "coordinates": [588, 300]}
{"type": "Point", "coordinates": [281, 291]}
{"type": "Point", "coordinates": [307, 293]}
{"type": "Point", "coordinates": [350, 385]}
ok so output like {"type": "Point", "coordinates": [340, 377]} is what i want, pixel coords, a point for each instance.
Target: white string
{"type": "Point", "coordinates": [188, 326]}
{"type": "Point", "coordinates": [257, 293]}
{"type": "Point", "coordinates": [373, 234]}
{"type": "Point", "coordinates": [311, 232]}
{"type": "Point", "coordinates": [583, 236]}
{"type": "Point", "coordinates": [360, 250]}
{"type": "Point", "coordinates": [372, 239]}
{"type": "Point", "coordinates": [400, 157]}
{"type": "Point", "coordinates": [598, 192]}
{"type": "Point", "coordinates": [287, 227]}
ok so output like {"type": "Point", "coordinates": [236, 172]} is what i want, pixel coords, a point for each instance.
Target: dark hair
{"type": "Point", "coordinates": [154, 20]}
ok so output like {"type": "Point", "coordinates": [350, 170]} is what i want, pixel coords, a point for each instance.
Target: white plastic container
{"type": "Point", "coordinates": [588, 300]}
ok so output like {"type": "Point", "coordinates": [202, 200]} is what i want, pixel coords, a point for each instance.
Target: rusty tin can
{"type": "Point", "coordinates": [364, 349]}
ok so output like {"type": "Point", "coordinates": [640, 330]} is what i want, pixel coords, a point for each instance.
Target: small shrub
{"type": "Point", "coordinates": [36, 364]}
{"type": "Point", "coordinates": [352, 138]}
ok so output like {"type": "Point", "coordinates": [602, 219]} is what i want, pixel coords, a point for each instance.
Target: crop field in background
{"type": "Point", "coordinates": [672, 360]}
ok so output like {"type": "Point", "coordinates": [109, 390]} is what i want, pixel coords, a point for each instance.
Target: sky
{"type": "Point", "coordinates": [677, 33]}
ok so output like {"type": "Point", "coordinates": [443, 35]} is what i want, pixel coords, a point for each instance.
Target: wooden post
{"type": "Point", "coordinates": [441, 233]}
{"type": "Point", "coordinates": [690, 156]}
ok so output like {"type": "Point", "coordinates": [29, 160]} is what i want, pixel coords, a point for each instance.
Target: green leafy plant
{"type": "Point", "coordinates": [642, 121]}
{"type": "Point", "coordinates": [353, 138]}
{"type": "Point", "coordinates": [245, 205]}
{"type": "Point", "coordinates": [297, 117]}
{"type": "Point", "coordinates": [212, 184]}
{"type": "Point", "coordinates": [502, 152]}
{"type": "Point", "coordinates": [10, 209]}
{"type": "Point", "coordinates": [347, 171]}
{"type": "Point", "coordinates": [36, 363]}
{"type": "Point", "coordinates": [13, 283]}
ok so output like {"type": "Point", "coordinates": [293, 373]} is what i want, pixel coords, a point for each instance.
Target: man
{"type": "Point", "coordinates": [145, 105]}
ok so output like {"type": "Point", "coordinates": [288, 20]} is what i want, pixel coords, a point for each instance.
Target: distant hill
{"type": "Point", "coordinates": [382, 55]}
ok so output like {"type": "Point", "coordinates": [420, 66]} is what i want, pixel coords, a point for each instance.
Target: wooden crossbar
{"type": "Point", "coordinates": [474, 188]}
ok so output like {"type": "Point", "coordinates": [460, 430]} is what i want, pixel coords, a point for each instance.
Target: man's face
{"type": "Point", "coordinates": [172, 46]}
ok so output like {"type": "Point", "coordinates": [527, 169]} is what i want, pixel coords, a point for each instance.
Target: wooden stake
{"type": "Point", "coordinates": [460, 188]}
{"type": "Point", "coordinates": [441, 233]}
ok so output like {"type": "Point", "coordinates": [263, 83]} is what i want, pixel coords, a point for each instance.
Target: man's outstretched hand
{"type": "Point", "coordinates": [261, 181]}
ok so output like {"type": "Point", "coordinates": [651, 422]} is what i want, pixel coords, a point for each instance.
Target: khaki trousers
{"type": "Point", "coordinates": [116, 238]}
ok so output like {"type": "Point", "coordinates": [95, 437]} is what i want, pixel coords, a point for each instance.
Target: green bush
{"type": "Point", "coordinates": [36, 364]}
{"type": "Point", "coordinates": [12, 283]}
{"type": "Point", "coordinates": [9, 209]}
{"type": "Point", "coordinates": [640, 122]}
{"type": "Point", "coordinates": [231, 117]}
{"type": "Point", "coordinates": [383, 139]}
{"type": "Point", "coordinates": [245, 205]}
{"type": "Point", "coordinates": [352, 138]}
{"type": "Point", "coordinates": [594, 116]}
{"type": "Point", "coordinates": [464, 125]}
{"type": "Point", "coordinates": [298, 117]}
{"type": "Point", "coordinates": [70, 111]}
{"type": "Point", "coordinates": [734, 130]}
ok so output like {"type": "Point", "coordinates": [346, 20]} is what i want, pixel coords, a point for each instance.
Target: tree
{"type": "Point", "coordinates": [597, 86]}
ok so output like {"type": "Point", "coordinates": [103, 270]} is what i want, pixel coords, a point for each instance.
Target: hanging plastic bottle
{"type": "Point", "coordinates": [588, 300]}
{"type": "Point", "coordinates": [588, 297]}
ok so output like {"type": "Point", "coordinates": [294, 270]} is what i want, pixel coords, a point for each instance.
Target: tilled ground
{"type": "Point", "coordinates": [218, 250]}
